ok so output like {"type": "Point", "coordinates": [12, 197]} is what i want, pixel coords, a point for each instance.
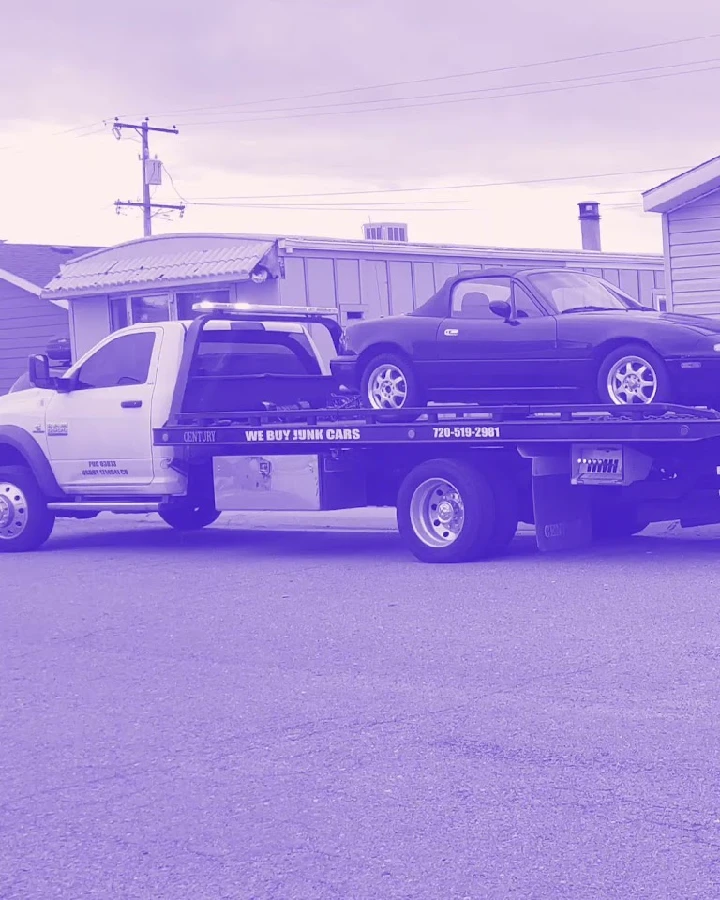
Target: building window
{"type": "Point", "coordinates": [150, 309]}
{"type": "Point", "coordinates": [118, 313]}
{"type": "Point", "coordinates": [185, 302]}
{"type": "Point", "coordinates": [660, 301]}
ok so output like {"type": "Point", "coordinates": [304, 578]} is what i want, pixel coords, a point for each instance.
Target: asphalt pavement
{"type": "Point", "coordinates": [284, 715]}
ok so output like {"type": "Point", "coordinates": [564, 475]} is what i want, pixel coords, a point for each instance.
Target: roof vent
{"type": "Point", "coordinates": [386, 231]}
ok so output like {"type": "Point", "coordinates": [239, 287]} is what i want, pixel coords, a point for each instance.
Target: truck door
{"type": "Point", "coordinates": [99, 434]}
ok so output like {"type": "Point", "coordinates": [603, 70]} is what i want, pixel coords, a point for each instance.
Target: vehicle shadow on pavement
{"type": "Point", "coordinates": [246, 544]}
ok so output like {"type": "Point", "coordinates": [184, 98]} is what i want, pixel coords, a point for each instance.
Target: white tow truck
{"type": "Point", "coordinates": [233, 411]}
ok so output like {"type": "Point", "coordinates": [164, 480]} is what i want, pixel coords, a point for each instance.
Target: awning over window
{"type": "Point", "coordinates": [161, 262]}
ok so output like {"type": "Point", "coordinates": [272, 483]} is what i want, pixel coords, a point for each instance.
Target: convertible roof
{"type": "Point", "coordinates": [439, 304]}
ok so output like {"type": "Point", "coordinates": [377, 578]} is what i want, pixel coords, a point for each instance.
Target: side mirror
{"type": "Point", "coordinates": [501, 308]}
{"type": "Point", "coordinates": [39, 371]}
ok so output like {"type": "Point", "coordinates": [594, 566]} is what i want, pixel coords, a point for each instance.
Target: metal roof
{"type": "Point", "coordinates": [165, 260]}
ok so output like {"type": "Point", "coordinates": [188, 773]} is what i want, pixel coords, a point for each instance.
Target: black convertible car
{"type": "Point", "coordinates": [531, 335]}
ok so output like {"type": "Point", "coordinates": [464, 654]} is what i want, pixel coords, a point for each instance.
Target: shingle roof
{"type": "Point", "coordinates": [37, 263]}
{"type": "Point", "coordinates": [167, 259]}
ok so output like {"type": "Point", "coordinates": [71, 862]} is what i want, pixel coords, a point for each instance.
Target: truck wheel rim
{"type": "Point", "coordinates": [437, 512]}
{"type": "Point", "coordinates": [13, 511]}
{"type": "Point", "coordinates": [632, 380]}
{"type": "Point", "coordinates": [387, 388]}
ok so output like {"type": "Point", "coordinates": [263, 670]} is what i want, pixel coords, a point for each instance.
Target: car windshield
{"type": "Point", "coordinates": [575, 291]}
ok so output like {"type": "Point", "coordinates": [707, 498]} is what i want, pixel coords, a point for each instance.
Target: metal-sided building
{"type": "Point", "coordinates": [160, 277]}
{"type": "Point", "coordinates": [690, 208]}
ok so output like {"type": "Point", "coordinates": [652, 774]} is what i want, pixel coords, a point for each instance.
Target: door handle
{"type": "Point", "coordinates": [450, 332]}
{"type": "Point", "coordinates": [131, 404]}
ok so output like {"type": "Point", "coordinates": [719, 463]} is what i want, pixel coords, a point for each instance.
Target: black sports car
{"type": "Point", "coordinates": [531, 335]}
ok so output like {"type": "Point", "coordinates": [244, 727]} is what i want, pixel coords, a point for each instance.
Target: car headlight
{"type": "Point", "coordinates": [716, 348]}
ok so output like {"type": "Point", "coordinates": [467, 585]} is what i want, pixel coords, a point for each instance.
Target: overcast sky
{"type": "Point", "coordinates": [266, 99]}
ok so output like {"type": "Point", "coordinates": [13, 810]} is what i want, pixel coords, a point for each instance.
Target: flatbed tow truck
{"type": "Point", "coordinates": [194, 435]}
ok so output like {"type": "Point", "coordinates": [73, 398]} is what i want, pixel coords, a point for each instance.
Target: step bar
{"type": "Point", "coordinates": [108, 506]}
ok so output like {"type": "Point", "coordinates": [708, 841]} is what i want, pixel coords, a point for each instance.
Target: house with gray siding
{"type": "Point", "coordinates": [690, 209]}
{"type": "Point", "coordinates": [28, 322]}
{"type": "Point", "coordinates": [161, 277]}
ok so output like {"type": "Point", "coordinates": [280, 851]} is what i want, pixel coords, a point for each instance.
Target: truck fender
{"type": "Point", "coordinates": [31, 452]}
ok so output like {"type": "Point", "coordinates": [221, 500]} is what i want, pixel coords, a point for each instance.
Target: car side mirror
{"type": "Point", "coordinates": [39, 371]}
{"type": "Point", "coordinates": [501, 308]}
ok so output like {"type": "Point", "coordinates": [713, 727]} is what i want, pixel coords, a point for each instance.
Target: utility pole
{"type": "Point", "coordinates": [151, 173]}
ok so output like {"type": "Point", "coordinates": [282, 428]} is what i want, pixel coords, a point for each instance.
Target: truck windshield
{"type": "Point", "coordinates": [575, 291]}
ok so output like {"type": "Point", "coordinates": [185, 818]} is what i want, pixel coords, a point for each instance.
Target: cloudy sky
{"type": "Point", "coordinates": [473, 123]}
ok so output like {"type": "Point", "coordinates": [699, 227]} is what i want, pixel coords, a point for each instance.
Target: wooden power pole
{"type": "Point", "coordinates": [150, 172]}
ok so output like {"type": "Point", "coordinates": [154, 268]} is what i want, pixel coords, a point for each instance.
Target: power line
{"type": "Point", "coordinates": [479, 91]}
{"type": "Point", "coordinates": [445, 187]}
{"type": "Point", "coordinates": [436, 78]}
{"type": "Point", "coordinates": [474, 99]}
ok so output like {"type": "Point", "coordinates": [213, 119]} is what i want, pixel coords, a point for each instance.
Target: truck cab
{"type": "Point", "coordinates": [88, 434]}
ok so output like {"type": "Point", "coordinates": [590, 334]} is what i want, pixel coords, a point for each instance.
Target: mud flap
{"type": "Point", "coordinates": [562, 510]}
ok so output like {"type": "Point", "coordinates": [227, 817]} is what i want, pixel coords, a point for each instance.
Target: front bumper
{"type": "Point", "coordinates": [345, 371]}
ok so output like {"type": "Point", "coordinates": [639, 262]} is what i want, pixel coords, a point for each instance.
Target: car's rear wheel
{"type": "Point", "coordinates": [633, 374]}
{"type": "Point", "coordinates": [389, 383]}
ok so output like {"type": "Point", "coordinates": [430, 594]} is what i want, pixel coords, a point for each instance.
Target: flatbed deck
{"type": "Point", "coordinates": [302, 431]}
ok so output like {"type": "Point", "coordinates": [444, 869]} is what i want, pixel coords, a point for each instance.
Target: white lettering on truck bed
{"type": "Point", "coordinates": [301, 435]}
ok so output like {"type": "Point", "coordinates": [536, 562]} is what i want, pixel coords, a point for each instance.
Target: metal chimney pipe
{"type": "Point", "coordinates": [590, 225]}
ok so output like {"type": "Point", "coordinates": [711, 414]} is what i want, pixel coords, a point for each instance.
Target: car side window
{"type": "Point", "coordinates": [124, 360]}
{"type": "Point", "coordinates": [471, 297]}
{"type": "Point", "coordinates": [525, 306]}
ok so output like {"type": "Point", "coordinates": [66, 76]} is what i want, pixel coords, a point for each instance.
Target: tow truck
{"type": "Point", "coordinates": [233, 410]}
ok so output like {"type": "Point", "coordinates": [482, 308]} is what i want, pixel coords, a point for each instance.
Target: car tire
{"type": "Point", "coordinates": [184, 517]}
{"type": "Point", "coordinates": [380, 374]}
{"type": "Point", "coordinates": [476, 523]}
{"type": "Point", "coordinates": [25, 521]}
{"type": "Point", "coordinates": [633, 371]}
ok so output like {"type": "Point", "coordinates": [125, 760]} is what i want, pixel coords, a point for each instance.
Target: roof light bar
{"type": "Point", "coordinates": [208, 306]}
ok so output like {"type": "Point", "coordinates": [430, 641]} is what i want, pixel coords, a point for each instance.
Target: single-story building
{"type": "Point", "coordinates": [29, 322]}
{"type": "Point", "coordinates": [161, 277]}
{"type": "Point", "coordinates": [690, 208]}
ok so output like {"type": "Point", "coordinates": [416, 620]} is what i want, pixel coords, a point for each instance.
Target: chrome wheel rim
{"type": "Point", "coordinates": [13, 511]}
{"type": "Point", "coordinates": [437, 512]}
{"type": "Point", "coordinates": [632, 380]}
{"type": "Point", "coordinates": [387, 387]}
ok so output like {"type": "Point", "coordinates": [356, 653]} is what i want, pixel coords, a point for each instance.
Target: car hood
{"type": "Point", "coordinates": [701, 325]}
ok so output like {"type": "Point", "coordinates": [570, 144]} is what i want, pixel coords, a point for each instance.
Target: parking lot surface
{"type": "Point", "coordinates": [274, 714]}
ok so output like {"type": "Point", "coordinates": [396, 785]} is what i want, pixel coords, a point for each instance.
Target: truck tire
{"type": "Point", "coordinates": [633, 374]}
{"type": "Point", "coordinates": [389, 383]}
{"type": "Point", "coordinates": [616, 522]}
{"type": "Point", "coordinates": [449, 511]}
{"type": "Point", "coordinates": [25, 521]}
{"type": "Point", "coordinates": [187, 517]}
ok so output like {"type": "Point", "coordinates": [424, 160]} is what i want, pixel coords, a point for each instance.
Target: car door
{"type": "Point", "coordinates": [99, 433]}
{"type": "Point", "coordinates": [488, 357]}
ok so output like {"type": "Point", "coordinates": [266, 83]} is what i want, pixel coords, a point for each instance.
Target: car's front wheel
{"type": "Point", "coordinates": [388, 382]}
{"type": "Point", "coordinates": [633, 374]}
